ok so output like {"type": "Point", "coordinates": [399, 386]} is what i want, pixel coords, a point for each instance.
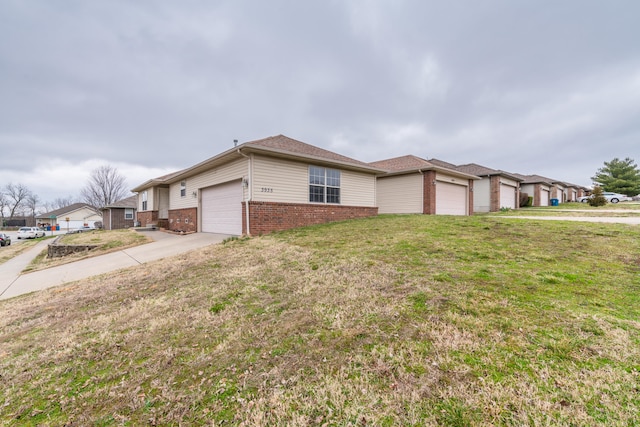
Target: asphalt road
{"type": "Point", "coordinates": [13, 283]}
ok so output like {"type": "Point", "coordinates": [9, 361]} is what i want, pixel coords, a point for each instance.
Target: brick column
{"type": "Point", "coordinates": [536, 194]}
{"type": "Point", "coordinates": [471, 181]}
{"type": "Point", "coordinates": [494, 191]}
{"type": "Point", "coordinates": [429, 193]}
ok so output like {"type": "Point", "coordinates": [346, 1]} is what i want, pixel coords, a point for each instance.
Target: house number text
{"type": "Point", "coordinates": [266, 190]}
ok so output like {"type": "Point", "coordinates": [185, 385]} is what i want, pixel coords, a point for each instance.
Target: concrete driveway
{"type": "Point", "coordinates": [13, 283]}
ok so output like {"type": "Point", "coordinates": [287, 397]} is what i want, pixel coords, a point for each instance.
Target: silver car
{"type": "Point", "coordinates": [30, 232]}
{"type": "Point", "coordinates": [611, 197]}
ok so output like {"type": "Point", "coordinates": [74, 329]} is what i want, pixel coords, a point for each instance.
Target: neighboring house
{"type": "Point", "coordinates": [572, 192]}
{"type": "Point", "coordinates": [495, 190]}
{"type": "Point", "coordinates": [259, 187]}
{"type": "Point", "coordinates": [70, 217]}
{"type": "Point", "coordinates": [537, 187]}
{"type": "Point", "coordinates": [414, 185]}
{"type": "Point", "coordinates": [121, 214]}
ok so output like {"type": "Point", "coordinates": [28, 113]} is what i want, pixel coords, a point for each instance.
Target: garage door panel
{"type": "Point", "coordinates": [451, 199]}
{"type": "Point", "coordinates": [544, 198]}
{"type": "Point", "coordinates": [222, 208]}
{"type": "Point", "coordinates": [507, 196]}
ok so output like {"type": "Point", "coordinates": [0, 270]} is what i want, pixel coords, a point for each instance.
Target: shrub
{"type": "Point", "coordinates": [597, 199]}
{"type": "Point", "coordinates": [524, 200]}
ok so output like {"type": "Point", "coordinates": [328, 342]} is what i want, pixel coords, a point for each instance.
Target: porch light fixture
{"type": "Point", "coordinates": [195, 194]}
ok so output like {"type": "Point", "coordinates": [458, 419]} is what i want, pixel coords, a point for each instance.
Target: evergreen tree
{"type": "Point", "coordinates": [597, 199]}
{"type": "Point", "coordinates": [619, 176]}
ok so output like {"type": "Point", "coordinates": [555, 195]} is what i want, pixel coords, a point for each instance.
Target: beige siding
{"type": "Point", "coordinates": [150, 193]}
{"type": "Point", "coordinates": [357, 189]}
{"type": "Point", "coordinates": [451, 179]}
{"type": "Point", "coordinates": [527, 188]}
{"type": "Point", "coordinates": [482, 195]}
{"type": "Point", "coordinates": [225, 173]}
{"type": "Point", "coordinates": [400, 194]}
{"type": "Point", "coordinates": [280, 180]}
{"type": "Point", "coordinates": [163, 203]}
{"type": "Point", "coordinates": [509, 182]}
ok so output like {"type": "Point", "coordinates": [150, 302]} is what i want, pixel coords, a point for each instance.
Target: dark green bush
{"type": "Point", "coordinates": [597, 199]}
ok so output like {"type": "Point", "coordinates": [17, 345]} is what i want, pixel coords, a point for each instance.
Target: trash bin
{"type": "Point", "coordinates": [48, 228]}
{"type": "Point", "coordinates": [57, 227]}
{"type": "Point", "coordinates": [554, 202]}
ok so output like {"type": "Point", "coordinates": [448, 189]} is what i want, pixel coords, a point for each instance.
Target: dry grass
{"type": "Point", "coordinates": [106, 240]}
{"type": "Point", "coordinates": [408, 320]}
{"type": "Point", "coordinates": [13, 250]}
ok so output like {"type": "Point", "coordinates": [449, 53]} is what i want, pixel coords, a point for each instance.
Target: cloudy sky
{"type": "Point", "coordinates": [150, 87]}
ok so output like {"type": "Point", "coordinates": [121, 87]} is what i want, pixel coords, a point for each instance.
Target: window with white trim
{"type": "Point", "coordinates": [324, 185]}
{"type": "Point", "coordinates": [128, 213]}
{"type": "Point", "coordinates": [144, 200]}
{"type": "Point", "coordinates": [183, 188]}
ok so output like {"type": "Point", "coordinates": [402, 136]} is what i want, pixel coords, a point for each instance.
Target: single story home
{"type": "Point", "coordinates": [121, 214]}
{"type": "Point", "coordinates": [411, 184]}
{"type": "Point", "coordinates": [495, 190]}
{"type": "Point", "coordinates": [537, 187]}
{"type": "Point", "coordinates": [70, 217]}
{"type": "Point", "coordinates": [258, 187]}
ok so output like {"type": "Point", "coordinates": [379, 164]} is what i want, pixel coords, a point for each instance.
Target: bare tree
{"type": "Point", "coordinates": [16, 195]}
{"type": "Point", "coordinates": [4, 203]}
{"type": "Point", "coordinates": [105, 186]}
{"type": "Point", "coordinates": [31, 203]}
{"type": "Point", "coordinates": [60, 202]}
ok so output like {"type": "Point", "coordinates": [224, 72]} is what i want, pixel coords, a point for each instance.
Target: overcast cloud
{"type": "Point", "coordinates": [150, 87]}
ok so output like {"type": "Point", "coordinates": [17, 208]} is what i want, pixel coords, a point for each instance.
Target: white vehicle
{"type": "Point", "coordinates": [30, 232]}
{"type": "Point", "coordinates": [611, 197]}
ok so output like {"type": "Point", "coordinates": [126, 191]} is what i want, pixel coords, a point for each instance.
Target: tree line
{"type": "Point", "coordinates": [104, 187]}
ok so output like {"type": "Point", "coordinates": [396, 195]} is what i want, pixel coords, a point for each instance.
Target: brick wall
{"type": "Point", "coordinates": [267, 217]}
{"type": "Point", "coordinates": [494, 190]}
{"type": "Point", "coordinates": [148, 217]}
{"type": "Point", "coordinates": [429, 193]}
{"type": "Point", "coordinates": [183, 220]}
{"type": "Point", "coordinates": [537, 194]}
{"type": "Point", "coordinates": [470, 192]}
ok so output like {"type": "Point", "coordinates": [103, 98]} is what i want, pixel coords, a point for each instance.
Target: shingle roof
{"type": "Point", "coordinates": [402, 163]}
{"type": "Point", "coordinates": [479, 170]}
{"type": "Point", "coordinates": [534, 179]}
{"type": "Point", "coordinates": [285, 144]}
{"type": "Point", "coordinates": [129, 202]}
{"type": "Point", "coordinates": [71, 208]}
{"type": "Point", "coordinates": [443, 164]}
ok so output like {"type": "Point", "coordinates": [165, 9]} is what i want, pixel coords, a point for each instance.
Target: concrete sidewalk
{"type": "Point", "coordinates": [12, 283]}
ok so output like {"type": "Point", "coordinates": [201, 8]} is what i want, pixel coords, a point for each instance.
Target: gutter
{"type": "Point", "coordinates": [249, 182]}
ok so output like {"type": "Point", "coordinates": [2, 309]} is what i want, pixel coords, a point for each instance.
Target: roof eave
{"type": "Point", "coordinates": [434, 168]}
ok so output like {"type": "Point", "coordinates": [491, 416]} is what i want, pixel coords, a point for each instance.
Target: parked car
{"type": "Point", "coordinates": [30, 232]}
{"type": "Point", "coordinates": [5, 240]}
{"type": "Point", "coordinates": [82, 229]}
{"type": "Point", "coordinates": [611, 197]}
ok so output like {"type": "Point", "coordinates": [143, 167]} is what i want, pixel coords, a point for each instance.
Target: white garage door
{"type": "Point", "coordinates": [451, 199]}
{"type": "Point", "coordinates": [222, 208]}
{"type": "Point", "coordinates": [507, 196]}
{"type": "Point", "coordinates": [544, 198]}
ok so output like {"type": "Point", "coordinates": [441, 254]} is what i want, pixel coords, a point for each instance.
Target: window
{"type": "Point", "coordinates": [128, 213]}
{"type": "Point", "coordinates": [183, 188]}
{"type": "Point", "coordinates": [144, 200]}
{"type": "Point", "coordinates": [324, 185]}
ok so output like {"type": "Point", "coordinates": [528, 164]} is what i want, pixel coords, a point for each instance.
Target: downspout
{"type": "Point", "coordinates": [422, 192]}
{"type": "Point", "coordinates": [250, 191]}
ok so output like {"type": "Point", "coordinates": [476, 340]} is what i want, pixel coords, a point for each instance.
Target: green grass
{"type": "Point", "coordinates": [394, 320]}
